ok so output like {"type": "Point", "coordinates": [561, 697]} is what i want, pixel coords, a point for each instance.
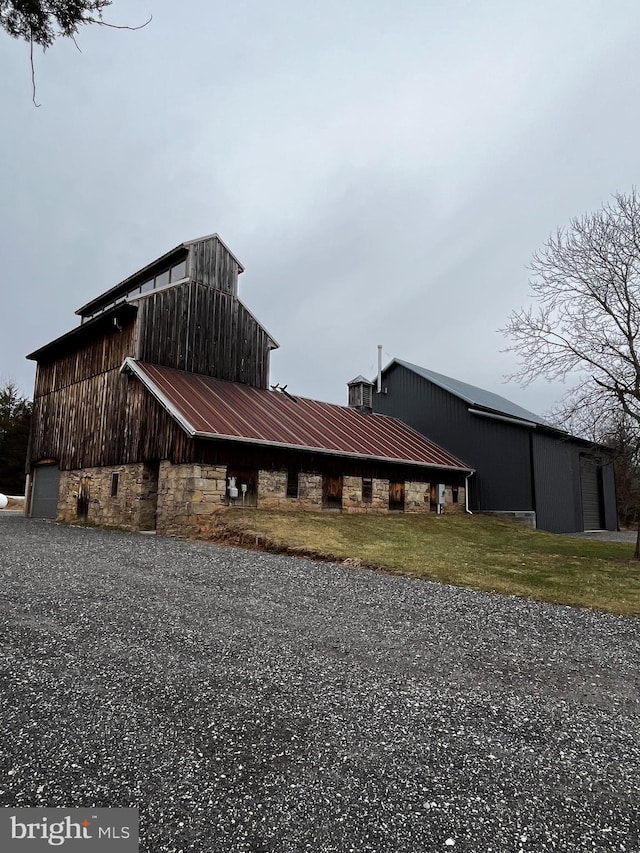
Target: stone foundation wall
{"type": "Point", "coordinates": [310, 491]}
{"type": "Point", "coordinates": [352, 496]}
{"type": "Point", "coordinates": [85, 495]}
{"type": "Point", "coordinates": [449, 506]}
{"type": "Point", "coordinates": [272, 491]}
{"type": "Point", "coordinates": [417, 496]}
{"type": "Point", "coordinates": [190, 497]}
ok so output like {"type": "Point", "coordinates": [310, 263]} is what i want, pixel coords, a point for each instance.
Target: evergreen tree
{"type": "Point", "coordinates": [15, 422]}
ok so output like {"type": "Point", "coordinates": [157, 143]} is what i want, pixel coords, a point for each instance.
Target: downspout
{"type": "Point", "coordinates": [466, 493]}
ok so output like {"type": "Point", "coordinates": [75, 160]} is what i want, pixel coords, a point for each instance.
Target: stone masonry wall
{"type": "Point", "coordinates": [85, 495]}
{"type": "Point", "coordinates": [187, 499]}
{"type": "Point", "coordinates": [449, 506]}
{"type": "Point", "coordinates": [190, 497]}
{"type": "Point", "coordinates": [272, 491]}
{"type": "Point", "coordinates": [352, 496]}
{"type": "Point", "coordinates": [417, 497]}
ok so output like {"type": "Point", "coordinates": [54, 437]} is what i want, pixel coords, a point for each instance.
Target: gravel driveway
{"type": "Point", "coordinates": [249, 702]}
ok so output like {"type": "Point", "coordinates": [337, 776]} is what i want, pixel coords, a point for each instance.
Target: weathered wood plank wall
{"type": "Point", "coordinates": [210, 263]}
{"type": "Point", "coordinates": [87, 414]}
{"type": "Point", "coordinates": [108, 419]}
{"type": "Point", "coordinates": [106, 353]}
{"type": "Point", "coordinates": [203, 330]}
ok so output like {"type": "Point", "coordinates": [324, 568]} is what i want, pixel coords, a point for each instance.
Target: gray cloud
{"type": "Point", "coordinates": [383, 170]}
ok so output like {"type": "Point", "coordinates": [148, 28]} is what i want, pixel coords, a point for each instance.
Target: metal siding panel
{"type": "Point", "coordinates": [46, 484]}
{"type": "Point", "coordinates": [556, 485]}
{"type": "Point", "coordinates": [591, 509]}
{"type": "Point", "coordinates": [497, 450]}
{"type": "Point", "coordinates": [609, 495]}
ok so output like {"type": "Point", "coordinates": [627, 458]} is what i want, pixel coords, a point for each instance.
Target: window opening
{"type": "Point", "coordinates": [292, 482]}
{"type": "Point", "coordinates": [115, 483]}
{"type": "Point", "coordinates": [367, 490]}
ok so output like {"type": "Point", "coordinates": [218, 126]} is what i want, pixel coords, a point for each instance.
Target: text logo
{"type": "Point", "coordinates": [35, 829]}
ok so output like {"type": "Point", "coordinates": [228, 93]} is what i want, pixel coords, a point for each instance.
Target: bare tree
{"type": "Point", "coordinates": [41, 22]}
{"type": "Point", "coordinates": [585, 320]}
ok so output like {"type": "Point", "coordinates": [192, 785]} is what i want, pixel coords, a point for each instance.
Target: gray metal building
{"type": "Point", "coordinates": [522, 463]}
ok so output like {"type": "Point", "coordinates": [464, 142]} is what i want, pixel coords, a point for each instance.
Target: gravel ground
{"type": "Point", "coordinates": [249, 702]}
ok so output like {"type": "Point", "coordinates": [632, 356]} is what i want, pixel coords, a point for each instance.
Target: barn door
{"type": "Point", "coordinates": [396, 496]}
{"type": "Point", "coordinates": [44, 494]}
{"type": "Point", "coordinates": [592, 496]}
{"type": "Point", "coordinates": [331, 492]}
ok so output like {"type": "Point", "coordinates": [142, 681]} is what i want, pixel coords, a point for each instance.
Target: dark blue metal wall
{"type": "Point", "coordinates": [556, 468]}
{"type": "Point", "coordinates": [517, 467]}
{"type": "Point", "coordinates": [610, 501]}
{"type": "Point", "coordinates": [497, 450]}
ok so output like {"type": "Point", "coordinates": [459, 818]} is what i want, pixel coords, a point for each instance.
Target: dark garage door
{"type": "Point", "coordinates": [591, 488]}
{"type": "Point", "coordinates": [44, 499]}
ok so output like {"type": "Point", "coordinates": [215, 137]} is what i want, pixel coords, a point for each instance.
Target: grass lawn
{"type": "Point", "coordinates": [470, 551]}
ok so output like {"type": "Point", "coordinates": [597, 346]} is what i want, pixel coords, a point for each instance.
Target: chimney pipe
{"type": "Point", "coordinates": [379, 368]}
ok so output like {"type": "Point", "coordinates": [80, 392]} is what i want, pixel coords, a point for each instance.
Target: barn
{"type": "Point", "coordinates": [524, 467]}
{"type": "Point", "coordinates": [155, 413]}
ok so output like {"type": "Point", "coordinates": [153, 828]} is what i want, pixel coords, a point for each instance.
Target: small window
{"type": "Point", "coordinates": [147, 286]}
{"type": "Point", "coordinates": [454, 494]}
{"type": "Point", "coordinates": [367, 490]}
{"type": "Point", "coordinates": [179, 271]}
{"type": "Point", "coordinates": [115, 482]}
{"type": "Point", "coordinates": [292, 483]}
{"type": "Point", "coordinates": [162, 279]}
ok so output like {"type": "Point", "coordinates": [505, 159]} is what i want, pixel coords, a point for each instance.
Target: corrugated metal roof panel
{"type": "Point", "coordinates": [473, 395]}
{"type": "Point", "coordinates": [213, 408]}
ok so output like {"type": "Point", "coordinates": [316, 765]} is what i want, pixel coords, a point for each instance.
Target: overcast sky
{"type": "Point", "coordinates": [383, 169]}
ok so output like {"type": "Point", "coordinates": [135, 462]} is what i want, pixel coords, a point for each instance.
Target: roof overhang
{"type": "Point", "coordinates": [140, 275]}
{"type": "Point", "coordinates": [85, 332]}
{"type": "Point", "coordinates": [496, 417]}
{"type": "Point", "coordinates": [123, 286]}
{"type": "Point", "coordinates": [131, 367]}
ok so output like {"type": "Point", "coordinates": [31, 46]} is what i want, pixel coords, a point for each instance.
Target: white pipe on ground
{"type": "Point", "coordinates": [466, 493]}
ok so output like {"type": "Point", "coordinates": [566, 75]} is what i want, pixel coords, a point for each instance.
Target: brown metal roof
{"type": "Point", "coordinates": [212, 408]}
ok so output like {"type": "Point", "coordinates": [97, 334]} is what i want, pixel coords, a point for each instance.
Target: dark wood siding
{"type": "Point", "coordinates": [210, 263]}
{"type": "Point", "coordinates": [101, 419]}
{"type": "Point", "coordinates": [91, 359]}
{"type": "Point", "coordinates": [203, 330]}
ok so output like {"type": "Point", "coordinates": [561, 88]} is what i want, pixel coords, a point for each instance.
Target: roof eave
{"type": "Point", "coordinates": [327, 452]}
{"type": "Point", "coordinates": [125, 281]}
{"type": "Point", "coordinates": [130, 366]}
{"type": "Point", "coordinates": [82, 329]}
